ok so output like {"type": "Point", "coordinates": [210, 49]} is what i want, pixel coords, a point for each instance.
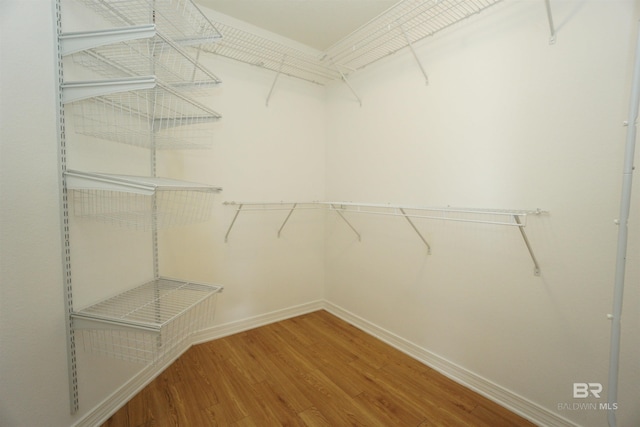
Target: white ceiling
{"type": "Point", "coordinates": [315, 23]}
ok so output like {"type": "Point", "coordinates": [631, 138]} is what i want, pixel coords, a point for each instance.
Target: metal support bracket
{"type": "Point", "coordinates": [345, 220]}
{"type": "Point", "coordinates": [78, 41]}
{"type": "Point", "coordinates": [417, 231]}
{"type": "Point", "coordinates": [76, 91]}
{"type": "Point", "coordinates": [344, 79]}
{"type": "Point", "coordinates": [287, 218]}
{"type": "Point", "coordinates": [552, 28]}
{"type": "Point", "coordinates": [226, 236]}
{"type": "Point", "coordinates": [415, 55]}
{"type": "Point", "coordinates": [536, 266]}
{"type": "Point", "coordinates": [276, 79]}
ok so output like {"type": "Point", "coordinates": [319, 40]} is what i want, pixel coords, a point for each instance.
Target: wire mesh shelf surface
{"type": "Point", "coordinates": [142, 56]}
{"type": "Point", "coordinates": [146, 323]}
{"type": "Point", "coordinates": [407, 22]}
{"type": "Point", "coordinates": [180, 20]}
{"type": "Point", "coordinates": [159, 118]}
{"type": "Point", "coordinates": [255, 50]}
{"type": "Point", "coordinates": [139, 203]}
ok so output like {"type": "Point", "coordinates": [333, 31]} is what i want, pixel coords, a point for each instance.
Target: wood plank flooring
{"type": "Point", "coordinates": [311, 370]}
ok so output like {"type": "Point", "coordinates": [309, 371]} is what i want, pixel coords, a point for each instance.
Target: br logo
{"type": "Point", "coordinates": [583, 390]}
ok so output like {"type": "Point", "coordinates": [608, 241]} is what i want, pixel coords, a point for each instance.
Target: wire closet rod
{"type": "Point", "coordinates": [513, 217]}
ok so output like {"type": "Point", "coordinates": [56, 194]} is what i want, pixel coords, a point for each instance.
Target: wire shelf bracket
{"type": "Point", "coordinates": [344, 79]}
{"type": "Point", "coordinates": [552, 28]}
{"type": "Point", "coordinates": [128, 52]}
{"type": "Point", "coordinates": [77, 91]}
{"type": "Point", "coordinates": [276, 79]}
{"type": "Point", "coordinates": [404, 213]}
{"type": "Point", "coordinates": [270, 206]}
{"type": "Point", "coordinates": [83, 40]}
{"type": "Point", "coordinates": [415, 55]}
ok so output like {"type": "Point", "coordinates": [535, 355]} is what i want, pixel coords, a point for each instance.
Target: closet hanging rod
{"type": "Point", "coordinates": [272, 205]}
{"type": "Point", "coordinates": [516, 217]}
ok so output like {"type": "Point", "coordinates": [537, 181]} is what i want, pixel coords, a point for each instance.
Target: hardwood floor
{"type": "Point", "coordinates": [311, 370]}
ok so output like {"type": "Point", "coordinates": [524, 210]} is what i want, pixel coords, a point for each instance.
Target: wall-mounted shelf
{"type": "Point", "coordinates": [140, 203]}
{"type": "Point", "coordinates": [502, 217]}
{"type": "Point", "coordinates": [135, 52]}
{"type": "Point", "coordinates": [399, 27]}
{"type": "Point", "coordinates": [144, 67]}
{"type": "Point", "coordinates": [139, 111]}
{"type": "Point", "coordinates": [145, 323]}
{"type": "Point", "coordinates": [252, 49]}
{"type": "Point", "coordinates": [180, 20]}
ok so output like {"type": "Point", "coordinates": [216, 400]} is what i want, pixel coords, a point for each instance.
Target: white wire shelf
{"type": "Point", "coordinates": [146, 323]}
{"type": "Point", "coordinates": [139, 203]}
{"type": "Point", "coordinates": [501, 217]}
{"type": "Point", "coordinates": [139, 111]}
{"type": "Point", "coordinates": [180, 20]}
{"type": "Point", "coordinates": [399, 27]}
{"type": "Point", "coordinates": [407, 22]}
{"type": "Point", "coordinates": [252, 49]}
{"type": "Point", "coordinates": [135, 52]}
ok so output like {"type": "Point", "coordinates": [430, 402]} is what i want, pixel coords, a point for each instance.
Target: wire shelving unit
{"type": "Point", "coordinates": [137, 51]}
{"type": "Point", "coordinates": [140, 111]}
{"type": "Point", "coordinates": [399, 27]}
{"type": "Point", "coordinates": [148, 70]}
{"type": "Point", "coordinates": [140, 203]}
{"type": "Point", "coordinates": [180, 20]}
{"type": "Point", "coordinates": [252, 49]}
{"type": "Point", "coordinates": [402, 25]}
{"type": "Point", "coordinates": [146, 323]}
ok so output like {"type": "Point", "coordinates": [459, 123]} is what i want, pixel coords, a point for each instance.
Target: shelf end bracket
{"type": "Point", "coordinates": [344, 79]}
{"type": "Point", "coordinates": [417, 231]}
{"type": "Point", "coordinates": [536, 266]}
{"type": "Point", "coordinates": [287, 218]}
{"type": "Point", "coordinates": [273, 85]}
{"type": "Point", "coordinates": [415, 55]}
{"type": "Point", "coordinates": [347, 221]}
{"type": "Point", "coordinates": [226, 236]}
{"type": "Point", "coordinates": [552, 28]}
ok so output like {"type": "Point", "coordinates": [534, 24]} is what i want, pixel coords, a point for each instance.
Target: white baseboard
{"type": "Point", "coordinates": [101, 413]}
{"type": "Point", "coordinates": [231, 328]}
{"type": "Point", "coordinates": [515, 403]}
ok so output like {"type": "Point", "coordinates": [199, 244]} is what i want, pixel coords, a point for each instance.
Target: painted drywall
{"type": "Point", "coordinates": [258, 153]}
{"type": "Point", "coordinates": [507, 121]}
{"type": "Point", "coordinates": [33, 375]}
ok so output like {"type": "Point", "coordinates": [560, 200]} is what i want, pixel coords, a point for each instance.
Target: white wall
{"type": "Point", "coordinates": [507, 121]}
{"type": "Point", "coordinates": [259, 153]}
{"type": "Point", "coordinates": [33, 375]}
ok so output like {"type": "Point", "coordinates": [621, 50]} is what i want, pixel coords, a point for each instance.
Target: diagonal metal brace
{"type": "Point", "coordinates": [536, 266]}
{"type": "Point", "coordinates": [415, 55]}
{"type": "Point", "coordinates": [552, 28]}
{"type": "Point", "coordinates": [344, 79]}
{"type": "Point", "coordinates": [417, 231]}
{"type": "Point", "coordinates": [287, 218]}
{"type": "Point", "coordinates": [348, 223]}
{"type": "Point", "coordinates": [226, 236]}
{"type": "Point", "coordinates": [276, 78]}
